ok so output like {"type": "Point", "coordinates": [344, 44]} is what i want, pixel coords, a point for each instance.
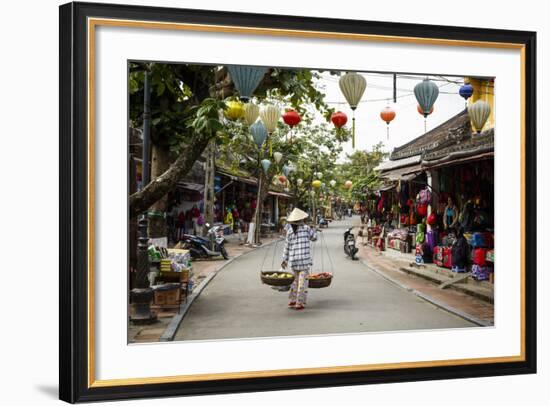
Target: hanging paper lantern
{"type": "Point", "coordinates": [332, 183]}
{"type": "Point", "coordinates": [278, 156]}
{"type": "Point", "coordinates": [312, 193]}
{"type": "Point", "coordinates": [291, 118]}
{"type": "Point", "coordinates": [323, 185]}
{"type": "Point", "coordinates": [319, 175]}
{"type": "Point", "coordinates": [291, 167]}
{"type": "Point", "coordinates": [419, 109]}
{"type": "Point", "coordinates": [353, 86]}
{"type": "Point", "coordinates": [270, 114]}
{"type": "Point", "coordinates": [234, 110]}
{"type": "Point", "coordinates": [348, 184]}
{"type": "Point", "coordinates": [266, 163]}
{"type": "Point", "coordinates": [286, 169]}
{"type": "Point", "coordinates": [426, 93]}
{"type": "Point", "coordinates": [251, 113]}
{"type": "Point", "coordinates": [316, 184]}
{"type": "Point", "coordinates": [246, 79]}
{"type": "Point", "coordinates": [282, 178]}
{"type": "Point", "coordinates": [259, 133]}
{"type": "Point", "coordinates": [299, 182]}
{"type": "Point", "coordinates": [286, 189]}
{"type": "Point", "coordinates": [387, 114]}
{"type": "Point", "coordinates": [339, 119]}
{"type": "Point", "coordinates": [466, 91]}
{"type": "Point", "coordinates": [479, 113]}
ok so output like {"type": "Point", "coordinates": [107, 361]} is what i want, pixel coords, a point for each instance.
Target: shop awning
{"type": "Point", "coordinates": [286, 195]}
{"type": "Point", "coordinates": [250, 181]}
{"type": "Point", "coordinates": [385, 187]}
{"type": "Point", "coordinates": [407, 173]}
{"type": "Point", "coordinates": [191, 186]}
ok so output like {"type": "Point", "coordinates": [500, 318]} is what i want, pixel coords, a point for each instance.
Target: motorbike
{"type": "Point", "coordinates": [205, 248]}
{"type": "Point", "coordinates": [349, 244]}
{"type": "Point", "coordinates": [321, 221]}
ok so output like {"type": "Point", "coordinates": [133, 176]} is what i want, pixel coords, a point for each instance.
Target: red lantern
{"type": "Point", "coordinates": [419, 109]}
{"type": "Point", "coordinates": [339, 119]}
{"type": "Point", "coordinates": [291, 118]}
{"type": "Point", "coordinates": [282, 178]}
{"type": "Point", "coordinates": [387, 114]}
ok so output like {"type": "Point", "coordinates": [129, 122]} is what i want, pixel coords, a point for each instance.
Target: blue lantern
{"type": "Point", "coordinates": [286, 170]}
{"type": "Point", "coordinates": [266, 164]}
{"type": "Point", "coordinates": [426, 93]}
{"type": "Point", "coordinates": [259, 133]}
{"type": "Point", "coordinates": [466, 91]}
{"type": "Point", "coordinates": [246, 79]}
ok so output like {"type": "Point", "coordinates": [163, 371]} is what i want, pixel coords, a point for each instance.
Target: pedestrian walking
{"type": "Point", "coordinates": [297, 256]}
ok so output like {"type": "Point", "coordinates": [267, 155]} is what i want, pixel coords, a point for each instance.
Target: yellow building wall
{"type": "Point", "coordinates": [484, 89]}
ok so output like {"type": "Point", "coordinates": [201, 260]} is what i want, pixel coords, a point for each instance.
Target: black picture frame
{"type": "Point", "coordinates": [73, 256]}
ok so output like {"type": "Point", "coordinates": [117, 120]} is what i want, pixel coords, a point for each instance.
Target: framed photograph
{"type": "Point", "coordinates": [259, 202]}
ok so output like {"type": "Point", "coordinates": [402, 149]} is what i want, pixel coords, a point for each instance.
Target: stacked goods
{"type": "Point", "coordinates": [431, 238]}
{"type": "Point", "coordinates": [442, 256]}
{"type": "Point", "coordinates": [398, 239]}
{"type": "Point", "coordinates": [165, 265]}
{"type": "Point", "coordinates": [319, 280]}
{"type": "Point", "coordinates": [438, 255]}
{"type": "Point", "coordinates": [484, 239]}
{"type": "Point", "coordinates": [481, 273]}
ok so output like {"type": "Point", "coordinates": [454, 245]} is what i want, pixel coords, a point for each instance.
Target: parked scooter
{"type": "Point", "coordinates": [349, 244]}
{"type": "Point", "coordinates": [210, 247]}
{"type": "Point", "coordinates": [321, 221]}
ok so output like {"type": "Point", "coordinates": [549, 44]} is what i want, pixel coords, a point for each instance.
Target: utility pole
{"type": "Point", "coordinates": [142, 295]}
{"type": "Point", "coordinates": [210, 169]}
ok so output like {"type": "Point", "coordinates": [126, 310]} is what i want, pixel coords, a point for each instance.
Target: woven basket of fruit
{"type": "Point", "coordinates": [319, 280]}
{"type": "Point", "coordinates": [277, 278]}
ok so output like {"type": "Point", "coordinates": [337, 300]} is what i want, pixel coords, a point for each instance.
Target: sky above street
{"type": "Point", "coordinates": [408, 123]}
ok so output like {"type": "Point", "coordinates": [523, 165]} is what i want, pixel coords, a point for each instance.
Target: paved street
{"type": "Point", "coordinates": [236, 304]}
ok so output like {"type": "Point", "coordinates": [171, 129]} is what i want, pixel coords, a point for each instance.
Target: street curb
{"type": "Point", "coordinates": [170, 332]}
{"type": "Point", "coordinates": [429, 299]}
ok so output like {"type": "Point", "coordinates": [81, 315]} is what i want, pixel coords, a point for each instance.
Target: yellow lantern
{"type": "Point", "coordinates": [234, 110]}
{"type": "Point", "coordinates": [316, 184]}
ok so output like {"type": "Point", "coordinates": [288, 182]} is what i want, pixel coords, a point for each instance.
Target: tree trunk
{"type": "Point", "coordinates": [160, 162]}
{"type": "Point", "coordinates": [210, 169]}
{"type": "Point", "coordinates": [263, 188]}
{"type": "Point", "coordinates": [155, 190]}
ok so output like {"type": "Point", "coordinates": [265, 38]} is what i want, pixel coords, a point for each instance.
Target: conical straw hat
{"type": "Point", "coordinates": [297, 215]}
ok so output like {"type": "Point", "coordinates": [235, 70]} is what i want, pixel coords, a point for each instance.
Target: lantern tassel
{"type": "Point", "coordinates": [388, 131]}
{"type": "Point", "coordinates": [353, 132]}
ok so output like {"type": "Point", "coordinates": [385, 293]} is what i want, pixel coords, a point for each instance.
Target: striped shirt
{"type": "Point", "coordinates": [297, 252]}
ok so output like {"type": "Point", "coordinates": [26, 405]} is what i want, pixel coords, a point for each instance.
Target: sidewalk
{"type": "Point", "coordinates": [201, 270]}
{"type": "Point", "coordinates": [467, 298]}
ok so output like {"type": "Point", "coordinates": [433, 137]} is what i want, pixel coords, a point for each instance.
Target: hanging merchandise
{"type": "Point", "coordinates": [246, 79]}
{"type": "Point", "coordinates": [251, 113]}
{"type": "Point", "coordinates": [270, 114]}
{"type": "Point", "coordinates": [353, 86]}
{"type": "Point", "coordinates": [316, 184]}
{"type": "Point", "coordinates": [266, 164]}
{"type": "Point", "coordinates": [432, 219]}
{"type": "Point", "coordinates": [234, 110]}
{"type": "Point", "coordinates": [278, 156]}
{"type": "Point", "coordinates": [426, 93]}
{"type": "Point", "coordinates": [259, 133]}
{"type": "Point", "coordinates": [387, 114]}
{"type": "Point", "coordinates": [292, 119]}
{"type": "Point", "coordinates": [479, 112]}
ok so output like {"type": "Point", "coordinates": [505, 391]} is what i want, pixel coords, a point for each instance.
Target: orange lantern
{"type": "Point", "coordinates": [348, 184]}
{"type": "Point", "coordinates": [387, 114]}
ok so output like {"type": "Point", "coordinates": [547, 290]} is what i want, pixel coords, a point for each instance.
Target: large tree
{"type": "Point", "coordinates": [179, 92]}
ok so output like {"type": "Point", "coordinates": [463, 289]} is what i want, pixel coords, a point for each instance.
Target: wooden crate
{"type": "Point", "coordinates": [167, 298]}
